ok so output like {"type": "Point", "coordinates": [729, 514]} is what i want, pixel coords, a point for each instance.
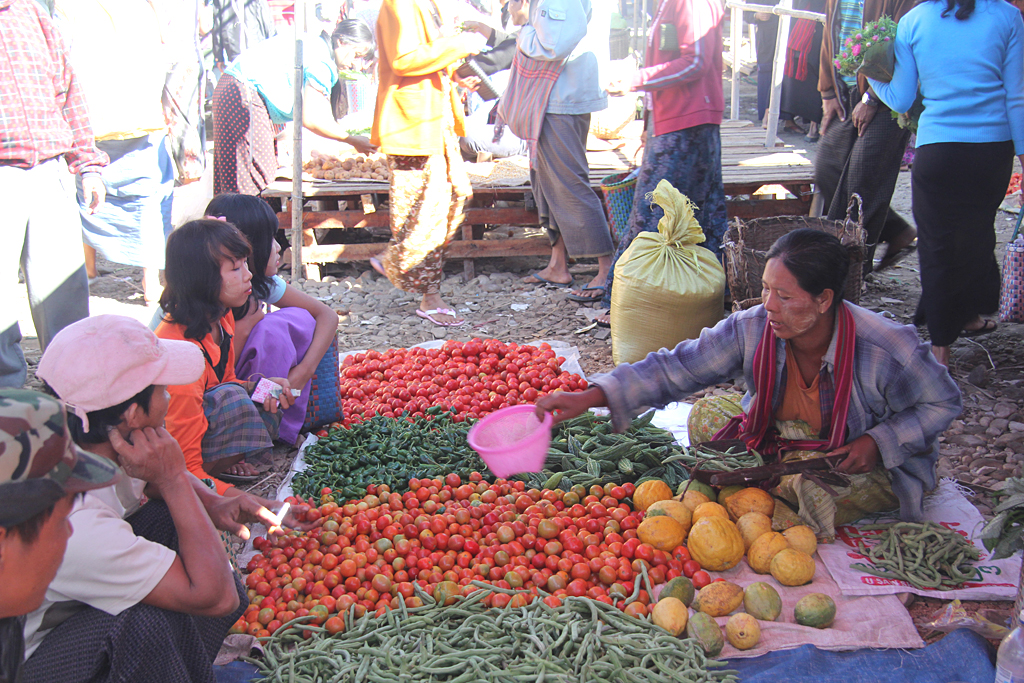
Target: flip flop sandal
{"type": "Point", "coordinates": [602, 323]}
{"type": "Point", "coordinates": [549, 283]}
{"type": "Point", "coordinates": [429, 315]}
{"type": "Point", "coordinates": [377, 266]}
{"type": "Point", "coordinates": [987, 327]}
{"type": "Point", "coordinates": [812, 138]}
{"type": "Point", "coordinates": [889, 260]}
{"type": "Point", "coordinates": [572, 296]}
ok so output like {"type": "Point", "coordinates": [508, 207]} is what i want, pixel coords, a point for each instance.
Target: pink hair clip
{"type": "Point", "coordinates": [216, 218]}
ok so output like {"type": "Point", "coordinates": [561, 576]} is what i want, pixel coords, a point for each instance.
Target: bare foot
{"type": "Point", "coordinates": [234, 465]}
{"type": "Point", "coordinates": [603, 320]}
{"type": "Point", "coordinates": [242, 469]}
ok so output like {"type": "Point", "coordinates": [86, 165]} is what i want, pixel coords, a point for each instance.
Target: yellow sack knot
{"type": "Point", "coordinates": [678, 225]}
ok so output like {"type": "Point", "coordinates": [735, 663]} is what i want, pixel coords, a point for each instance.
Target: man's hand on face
{"type": "Point", "coordinates": [149, 454]}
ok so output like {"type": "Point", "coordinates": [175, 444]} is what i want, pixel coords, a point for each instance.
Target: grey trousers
{"type": "Point", "coordinates": [560, 177]}
{"type": "Point", "coordinates": [42, 233]}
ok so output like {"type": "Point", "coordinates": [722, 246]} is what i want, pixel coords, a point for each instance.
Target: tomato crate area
{"type": "Point", "coordinates": [473, 378]}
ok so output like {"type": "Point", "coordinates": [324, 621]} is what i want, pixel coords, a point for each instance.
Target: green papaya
{"type": "Point", "coordinates": [815, 609]}
{"type": "Point", "coordinates": [762, 601]}
{"type": "Point", "coordinates": [703, 628]}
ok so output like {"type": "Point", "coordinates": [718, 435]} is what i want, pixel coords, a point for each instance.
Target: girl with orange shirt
{"type": "Point", "coordinates": [214, 419]}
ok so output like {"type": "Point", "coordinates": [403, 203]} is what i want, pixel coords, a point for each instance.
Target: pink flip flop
{"type": "Point", "coordinates": [429, 315]}
{"type": "Point", "coordinates": [377, 266]}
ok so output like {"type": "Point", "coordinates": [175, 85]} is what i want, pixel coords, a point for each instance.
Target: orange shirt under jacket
{"type": "Point", "coordinates": [411, 97]}
{"type": "Point", "coordinates": [186, 420]}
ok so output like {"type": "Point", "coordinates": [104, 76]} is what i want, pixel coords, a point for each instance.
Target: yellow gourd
{"type": "Point", "coordinates": [762, 550]}
{"type": "Point", "coordinates": [750, 500]}
{"type": "Point", "coordinates": [674, 509]}
{"type": "Point", "coordinates": [664, 533]}
{"type": "Point", "coordinates": [716, 544]}
{"type": "Point", "coordinates": [792, 568]}
{"type": "Point", "coordinates": [709, 510]}
{"type": "Point", "coordinates": [650, 492]}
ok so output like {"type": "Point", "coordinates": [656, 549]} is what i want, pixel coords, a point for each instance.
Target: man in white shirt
{"type": "Point", "coordinates": [146, 592]}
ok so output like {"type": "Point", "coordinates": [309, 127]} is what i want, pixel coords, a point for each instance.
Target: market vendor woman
{"type": "Point", "coordinates": [256, 93]}
{"type": "Point", "coordinates": [823, 375]}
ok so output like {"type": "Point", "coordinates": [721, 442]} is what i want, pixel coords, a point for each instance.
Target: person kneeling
{"type": "Point", "coordinates": [145, 592]}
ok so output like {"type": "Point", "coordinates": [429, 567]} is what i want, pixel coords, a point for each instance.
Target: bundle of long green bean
{"type": "Point", "coordinates": [924, 555]}
{"type": "Point", "coordinates": [385, 450]}
{"type": "Point", "coordinates": [581, 640]}
{"type": "Point", "coordinates": [705, 458]}
{"type": "Point", "coordinates": [585, 450]}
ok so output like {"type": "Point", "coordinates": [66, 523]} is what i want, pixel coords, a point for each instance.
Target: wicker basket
{"type": "Point", "coordinates": [608, 123]}
{"type": "Point", "coordinates": [747, 244]}
{"type": "Point", "coordinates": [618, 190]}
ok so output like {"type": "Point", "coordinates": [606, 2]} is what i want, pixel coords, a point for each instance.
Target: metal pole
{"type": "Point", "coordinates": [297, 270]}
{"type": "Point", "coordinates": [735, 36]}
{"type": "Point", "coordinates": [778, 71]}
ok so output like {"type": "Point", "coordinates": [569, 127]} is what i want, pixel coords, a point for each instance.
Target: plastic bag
{"type": "Point", "coordinates": [953, 616]}
{"type": "Point", "coordinates": [666, 288]}
{"type": "Point", "coordinates": [879, 61]}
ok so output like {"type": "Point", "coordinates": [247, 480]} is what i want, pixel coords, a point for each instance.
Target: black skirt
{"type": "Point", "coordinates": [957, 188]}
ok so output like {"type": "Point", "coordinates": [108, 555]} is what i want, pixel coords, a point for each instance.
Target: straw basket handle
{"type": "Point", "coordinates": [855, 208]}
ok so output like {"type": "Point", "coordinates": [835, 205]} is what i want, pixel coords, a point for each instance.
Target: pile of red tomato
{"type": "Point", "coordinates": [1014, 185]}
{"type": "Point", "coordinates": [370, 553]}
{"type": "Point", "coordinates": [474, 377]}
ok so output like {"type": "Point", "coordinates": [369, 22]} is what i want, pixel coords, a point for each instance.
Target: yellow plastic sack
{"type": "Point", "coordinates": [666, 288]}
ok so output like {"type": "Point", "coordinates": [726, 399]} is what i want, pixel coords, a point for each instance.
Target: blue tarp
{"type": "Point", "coordinates": [961, 656]}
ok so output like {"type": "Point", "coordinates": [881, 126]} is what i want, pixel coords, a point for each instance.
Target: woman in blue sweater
{"type": "Point", "coordinates": [968, 56]}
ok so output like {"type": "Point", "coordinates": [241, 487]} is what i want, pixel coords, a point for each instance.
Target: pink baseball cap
{"type": "Point", "coordinates": [102, 361]}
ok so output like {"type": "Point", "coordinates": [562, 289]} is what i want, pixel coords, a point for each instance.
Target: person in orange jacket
{"type": "Point", "coordinates": [417, 124]}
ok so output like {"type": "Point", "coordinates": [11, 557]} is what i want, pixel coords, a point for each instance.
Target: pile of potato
{"type": "Point", "coordinates": [360, 167]}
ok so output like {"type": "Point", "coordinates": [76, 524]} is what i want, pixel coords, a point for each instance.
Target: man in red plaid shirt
{"type": "Point", "coordinates": [44, 133]}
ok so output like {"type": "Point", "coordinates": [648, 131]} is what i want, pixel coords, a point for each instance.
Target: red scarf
{"type": "Point", "coordinates": [798, 48]}
{"type": "Point", "coordinates": [756, 428]}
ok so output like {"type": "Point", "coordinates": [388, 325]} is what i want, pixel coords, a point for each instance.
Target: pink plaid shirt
{"type": "Point", "coordinates": [42, 112]}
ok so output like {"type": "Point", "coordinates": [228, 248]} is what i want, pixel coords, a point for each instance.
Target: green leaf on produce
{"type": "Point", "coordinates": [1004, 533]}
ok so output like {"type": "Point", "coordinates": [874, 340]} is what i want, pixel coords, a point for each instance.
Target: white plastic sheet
{"type": "Point", "coordinates": [946, 506]}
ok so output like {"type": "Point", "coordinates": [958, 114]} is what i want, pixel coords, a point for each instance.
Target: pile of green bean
{"type": "Point", "coordinates": [581, 640]}
{"type": "Point", "coordinates": [924, 555]}
{"type": "Point", "coordinates": [704, 458]}
{"type": "Point", "coordinates": [585, 450]}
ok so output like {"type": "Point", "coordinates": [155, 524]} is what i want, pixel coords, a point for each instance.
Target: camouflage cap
{"type": "Point", "coordinates": [39, 462]}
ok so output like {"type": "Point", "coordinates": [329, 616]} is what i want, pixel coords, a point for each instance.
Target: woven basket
{"type": "Point", "coordinates": [747, 244]}
{"type": "Point", "coordinates": [324, 404]}
{"type": "Point", "coordinates": [618, 190]}
{"type": "Point", "coordinates": [608, 123]}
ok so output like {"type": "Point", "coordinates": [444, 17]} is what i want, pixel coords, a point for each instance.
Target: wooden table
{"type": "Point", "coordinates": [747, 167]}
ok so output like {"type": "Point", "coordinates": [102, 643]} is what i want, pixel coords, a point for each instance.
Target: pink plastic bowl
{"type": "Point", "coordinates": [512, 440]}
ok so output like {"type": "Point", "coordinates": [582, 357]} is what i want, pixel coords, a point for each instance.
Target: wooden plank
{"type": "Point", "coordinates": [357, 219]}
{"type": "Point", "coordinates": [520, 246]}
{"type": "Point", "coordinates": [762, 208]}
